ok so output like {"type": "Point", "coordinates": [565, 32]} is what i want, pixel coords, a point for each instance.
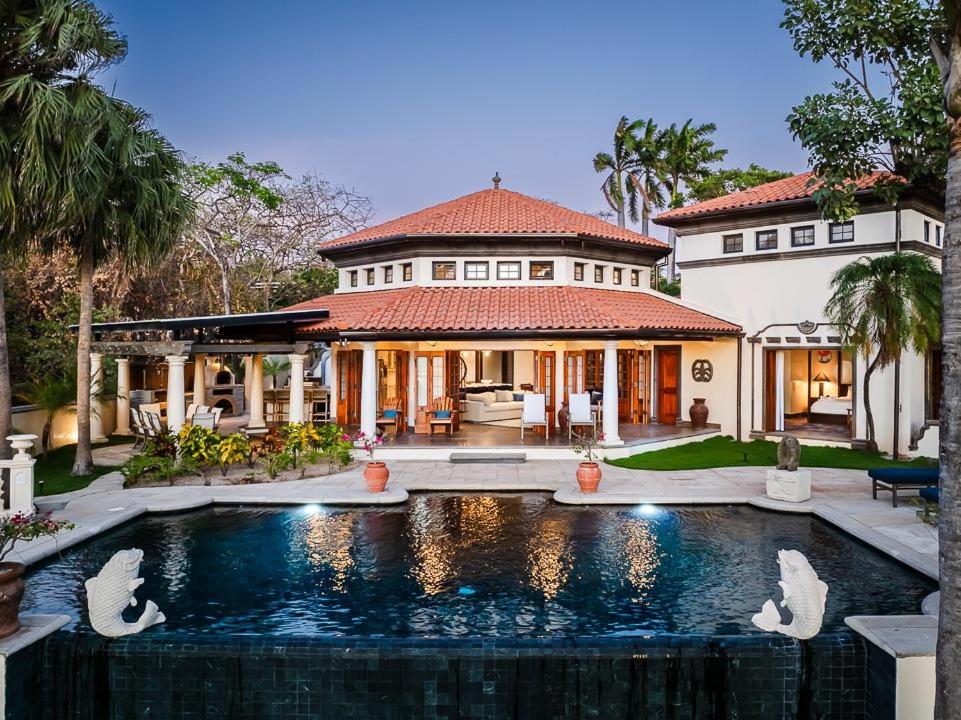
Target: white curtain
{"type": "Point", "coordinates": [779, 391]}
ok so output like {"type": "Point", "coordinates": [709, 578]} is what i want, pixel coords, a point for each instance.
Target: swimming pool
{"type": "Point", "coordinates": [493, 566]}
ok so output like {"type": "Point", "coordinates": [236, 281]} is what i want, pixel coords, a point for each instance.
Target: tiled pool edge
{"type": "Point", "coordinates": [20, 673]}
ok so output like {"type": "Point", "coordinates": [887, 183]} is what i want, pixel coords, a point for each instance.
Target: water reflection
{"type": "Point", "coordinates": [431, 547]}
{"type": "Point", "coordinates": [641, 555]}
{"type": "Point", "coordinates": [326, 540]}
{"type": "Point", "coordinates": [548, 556]}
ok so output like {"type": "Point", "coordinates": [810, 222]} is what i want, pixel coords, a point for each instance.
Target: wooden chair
{"type": "Point", "coordinates": [441, 414]}
{"type": "Point", "coordinates": [393, 414]}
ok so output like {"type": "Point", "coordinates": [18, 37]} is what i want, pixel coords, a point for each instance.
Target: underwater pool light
{"type": "Point", "coordinates": [311, 509]}
{"type": "Point", "coordinates": [648, 510]}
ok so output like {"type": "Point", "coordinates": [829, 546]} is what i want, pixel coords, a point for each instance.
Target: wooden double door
{"type": "Point", "coordinates": [584, 372]}
{"type": "Point", "coordinates": [667, 361]}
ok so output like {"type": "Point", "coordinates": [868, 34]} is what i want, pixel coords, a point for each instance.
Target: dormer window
{"type": "Point", "coordinates": [801, 236]}
{"type": "Point", "coordinates": [841, 232]}
{"type": "Point", "coordinates": [618, 275]}
{"type": "Point", "coordinates": [407, 270]}
{"type": "Point", "coordinates": [598, 273]}
{"type": "Point", "coordinates": [388, 274]}
{"type": "Point", "coordinates": [542, 271]}
{"type": "Point", "coordinates": [353, 278]}
{"type": "Point", "coordinates": [766, 240]}
{"type": "Point", "coordinates": [445, 271]}
{"type": "Point", "coordinates": [508, 271]}
{"type": "Point", "coordinates": [371, 276]}
{"type": "Point", "coordinates": [579, 271]}
{"type": "Point", "coordinates": [476, 270]}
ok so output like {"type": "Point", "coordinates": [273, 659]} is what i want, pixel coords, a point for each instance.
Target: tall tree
{"type": "Point", "coordinates": [620, 186]}
{"type": "Point", "coordinates": [47, 49]}
{"type": "Point", "coordinates": [723, 182]}
{"type": "Point", "coordinates": [128, 203]}
{"type": "Point", "coordinates": [689, 153]}
{"type": "Point", "coordinates": [946, 49]}
{"type": "Point", "coordinates": [883, 306]}
{"type": "Point", "coordinates": [648, 177]}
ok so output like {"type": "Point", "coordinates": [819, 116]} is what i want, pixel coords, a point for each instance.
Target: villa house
{"type": "Point", "coordinates": [500, 292]}
{"type": "Point", "coordinates": [765, 258]}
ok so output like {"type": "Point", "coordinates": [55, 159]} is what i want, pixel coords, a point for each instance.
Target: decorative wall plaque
{"type": "Point", "coordinates": [806, 327]}
{"type": "Point", "coordinates": [702, 371]}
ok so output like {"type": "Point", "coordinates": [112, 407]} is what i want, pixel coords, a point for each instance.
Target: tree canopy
{"type": "Point", "coordinates": [723, 182]}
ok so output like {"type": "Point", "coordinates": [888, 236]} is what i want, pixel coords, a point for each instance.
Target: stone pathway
{"type": "Point", "coordinates": [841, 497]}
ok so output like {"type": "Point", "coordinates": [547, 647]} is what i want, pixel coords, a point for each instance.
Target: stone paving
{"type": "Point", "coordinates": [840, 497]}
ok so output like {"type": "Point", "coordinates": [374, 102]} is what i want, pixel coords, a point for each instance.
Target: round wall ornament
{"type": "Point", "coordinates": [806, 327]}
{"type": "Point", "coordinates": [702, 370]}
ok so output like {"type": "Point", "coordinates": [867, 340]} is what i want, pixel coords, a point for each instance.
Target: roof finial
{"type": "Point", "coordinates": [496, 180]}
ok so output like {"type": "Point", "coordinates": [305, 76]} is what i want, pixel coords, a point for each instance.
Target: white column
{"type": "Point", "coordinates": [123, 396]}
{"type": "Point", "coordinates": [368, 389]}
{"type": "Point", "coordinates": [200, 379]}
{"type": "Point", "coordinates": [21, 474]}
{"type": "Point", "coordinates": [559, 388]}
{"type": "Point", "coordinates": [176, 411]}
{"type": "Point", "coordinates": [248, 371]}
{"type": "Point", "coordinates": [96, 407]}
{"type": "Point", "coordinates": [333, 382]}
{"type": "Point", "coordinates": [256, 393]}
{"type": "Point", "coordinates": [296, 387]}
{"type": "Point", "coordinates": [611, 435]}
{"type": "Point", "coordinates": [411, 388]}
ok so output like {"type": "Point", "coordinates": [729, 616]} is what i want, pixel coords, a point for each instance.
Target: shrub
{"type": "Point", "coordinates": [232, 449]}
{"type": "Point", "coordinates": [199, 444]}
{"type": "Point", "coordinates": [276, 463]}
{"type": "Point", "coordinates": [301, 437]}
{"type": "Point", "coordinates": [162, 446]}
{"type": "Point", "coordinates": [148, 467]}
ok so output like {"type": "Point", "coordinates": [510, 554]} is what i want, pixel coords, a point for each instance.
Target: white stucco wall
{"type": "Point", "coordinates": [64, 429]}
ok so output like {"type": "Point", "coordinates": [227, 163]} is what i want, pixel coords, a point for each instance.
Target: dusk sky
{"type": "Point", "coordinates": [414, 103]}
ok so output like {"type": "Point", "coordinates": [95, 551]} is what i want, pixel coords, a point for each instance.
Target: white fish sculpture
{"type": "Point", "coordinates": [111, 591]}
{"type": "Point", "coordinates": [804, 596]}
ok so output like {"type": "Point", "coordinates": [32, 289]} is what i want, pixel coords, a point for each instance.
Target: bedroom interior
{"type": "Point", "coordinates": [809, 392]}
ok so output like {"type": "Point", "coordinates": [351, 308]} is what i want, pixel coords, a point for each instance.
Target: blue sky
{"type": "Point", "coordinates": [414, 103]}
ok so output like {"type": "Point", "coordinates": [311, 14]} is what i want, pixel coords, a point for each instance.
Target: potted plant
{"type": "Point", "coordinates": [375, 473]}
{"type": "Point", "coordinates": [588, 472]}
{"type": "Point", "coordinates": [19, 526]}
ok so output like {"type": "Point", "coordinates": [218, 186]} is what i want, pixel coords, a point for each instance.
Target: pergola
{"type": "Point", "coordinates": [176, 340]}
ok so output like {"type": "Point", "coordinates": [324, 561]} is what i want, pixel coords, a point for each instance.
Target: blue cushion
{"type": "Point", "coordinates": [442, 414]}
{"type": "Point", "coordinates": [931, 494]}
{"type": "Point", "coordinates": [518, 397]}
{"type": "Point", "coordinates": [390, 414]}
{"type": "Point", "coordinates": [907, 475]}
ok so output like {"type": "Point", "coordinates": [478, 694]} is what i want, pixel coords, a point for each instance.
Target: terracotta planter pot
{"type": "Point", "coordinates": [376, 475]}
{"type": "Point", "coordinates": [588, 477]}
{"type": "Point", "coordinates": [698, 413]}
{"type": "Point", "coordinates": [11, 593]}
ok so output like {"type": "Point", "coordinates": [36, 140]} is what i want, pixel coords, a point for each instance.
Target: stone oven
{"type": "Point", "coordinates": [223, 391]}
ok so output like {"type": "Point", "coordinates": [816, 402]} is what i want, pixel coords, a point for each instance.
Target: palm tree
{"type": "Point", "coordinates": [128, 201]}
{"type": "Point", "coordinates": [45, 46]}
{"type": "Point", "coordinates": [883, 306]}
{"type": "Point", "coordinates": [619, 168]}
{"type": "Point", "coordinates": [52, 395]}
{"type": "Point", "coordinates": [273, 368]}
{"type": "Point", "coordinates": [689, 153]}
{"type": "Point", "coordinates": [648, 177]}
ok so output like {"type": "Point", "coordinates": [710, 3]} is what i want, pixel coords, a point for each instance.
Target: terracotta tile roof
{"type": "Point", "coordinates": [494, 212]}
{"type": "Point", "coordinates": [792, 188]}
{"type": "Point", "coordinates": [484, 309]}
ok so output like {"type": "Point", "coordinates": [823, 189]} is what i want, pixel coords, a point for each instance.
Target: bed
{"type": "Point", "coordinates": [830, 411]}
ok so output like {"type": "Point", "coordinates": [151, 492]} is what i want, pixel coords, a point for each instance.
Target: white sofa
{"type": "Point", "coordinates": [485, 407]}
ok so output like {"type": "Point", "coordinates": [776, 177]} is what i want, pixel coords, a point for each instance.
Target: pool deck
{"type": "Point", "coordinates": [840, 497]}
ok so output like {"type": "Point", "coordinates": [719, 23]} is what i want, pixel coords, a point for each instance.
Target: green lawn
{"type": "Point", "coordinates": [726, 452]}
{"type": "Point", "coordinates": [55, 470]}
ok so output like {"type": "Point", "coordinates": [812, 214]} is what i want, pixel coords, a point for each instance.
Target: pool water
{"type": "Point", "coordinates": [517, 565]}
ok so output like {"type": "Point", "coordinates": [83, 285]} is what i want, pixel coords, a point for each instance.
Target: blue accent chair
{"type": "Point", "coordinates": [901, 478]}
{"type": "Point", "coordinates": [931, 494]}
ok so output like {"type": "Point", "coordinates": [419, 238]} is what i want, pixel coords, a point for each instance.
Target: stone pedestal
{"type": "Point", "coordinates": [789, 486]}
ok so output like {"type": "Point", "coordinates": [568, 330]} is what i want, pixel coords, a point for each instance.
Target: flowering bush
{"type": "Point", "coordinates": [24, 526]}
{"type": "Point", "coordinates": [367, 443]}
{"type": "Point", "coordinates": [586, 446]}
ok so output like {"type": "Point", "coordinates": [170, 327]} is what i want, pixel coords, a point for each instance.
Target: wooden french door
{"type": "Point", "coordinates": [430, 384]}
{"type": "Point", "coordinates": [770, 390]}
{"type": "Point", "coordinates": [350, 365]}
{"type": "Point", "coordinates": [546, 378]}
{"type": "Point", "coordinates": [573, 373]}
{"type": "Point", "coordinates": [584, 372]}
{"type": "Point", "coordinates": [668, 361]}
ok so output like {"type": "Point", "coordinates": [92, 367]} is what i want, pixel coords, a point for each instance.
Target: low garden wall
{"type": "Point", "coordinates": [28, 419]}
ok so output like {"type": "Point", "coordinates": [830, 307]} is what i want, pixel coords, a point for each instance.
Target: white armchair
{"type": "Point", "coordinates": [581, 413]}
{"type": "Point", "coordinates": [535, 413]}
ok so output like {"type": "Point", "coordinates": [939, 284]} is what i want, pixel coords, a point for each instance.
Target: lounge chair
{"type": "Point", "coordinates": [141, 429]}
{"type": "Point", "coordinates": [535, 413]}
{"type": "Point", "coordinates": [901, 478]}
{"type": "Point", "coordinates": [393, 414]}
{"type": "Point", "coordinates": [931, 494]}
{"type": "Point", "coordinates": [441, 414]}
{"type": "Point", "coordinates": [216, 412]}
{"type": "Point", "coordinates": [581, 414]}
{"type": "Point", "coordinates": [204, 420]}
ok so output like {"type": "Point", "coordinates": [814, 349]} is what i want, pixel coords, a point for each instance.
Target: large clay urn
{"type": "Point", "coordinates": [699, 412]}
{"type": "Point", "coordinates": [564, 417]}
{"type": "Point", "coordinates": [376, 475]}
{"type": "Point", "coordinates": [11, 593]}
{"type": "Point", "coordinates": [588, 476]}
